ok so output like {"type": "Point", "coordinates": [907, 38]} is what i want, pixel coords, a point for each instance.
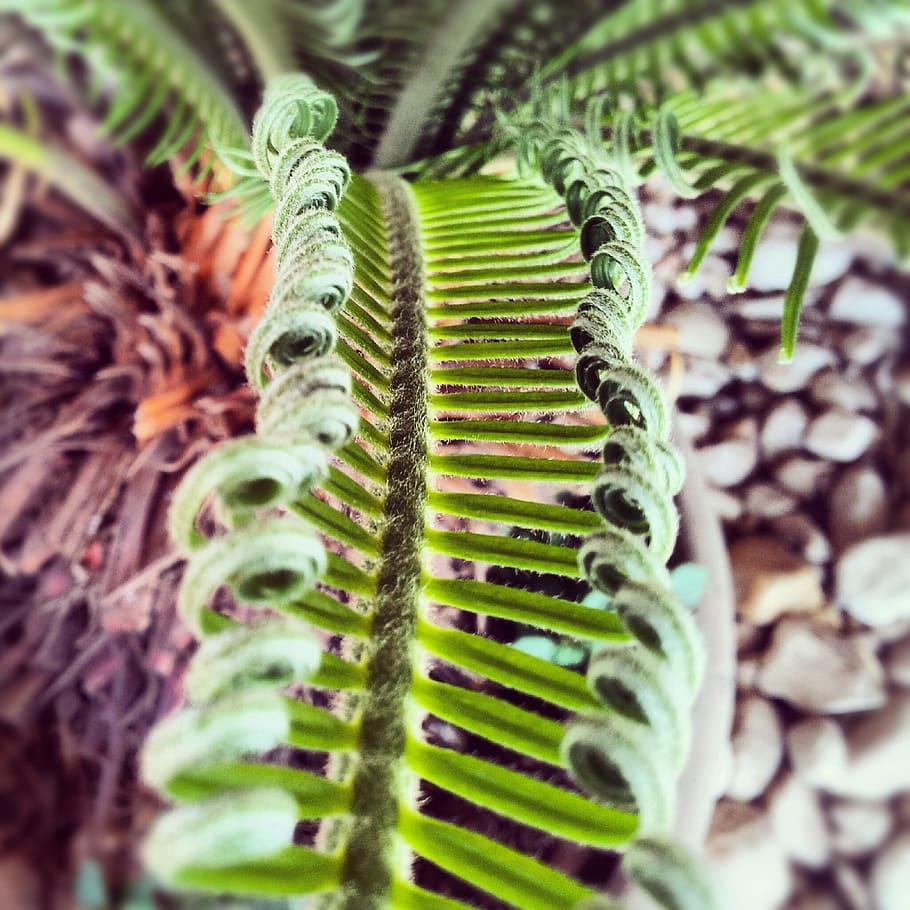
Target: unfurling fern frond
{"type": "Point", "coordinates": [627, 756]}
{"type": "Point", "coordinates": [456, 337]}
{"type": "Point", "coordinates": [269, 560]}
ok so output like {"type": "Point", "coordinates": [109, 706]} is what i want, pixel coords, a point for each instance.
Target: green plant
{"type": "Point", "coordinates": [452, 306]}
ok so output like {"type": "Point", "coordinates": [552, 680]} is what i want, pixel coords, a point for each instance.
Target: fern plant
{"type": "Point", "coordinates": [445, 372]}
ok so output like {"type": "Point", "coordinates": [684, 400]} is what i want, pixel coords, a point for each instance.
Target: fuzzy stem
{"type": "Point", "coordinates": [378, 781]}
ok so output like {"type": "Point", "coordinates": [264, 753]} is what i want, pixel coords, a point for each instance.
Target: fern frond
{"type": "Point", "coordinates": [283, 36]}
{"type": "Point", "coordinates": [840, 167]}
{"type": "Point", "coordinates": [651, 49]}
{"type": "Point", "coordinates": [150, 64]}
{"type": "Point", "coordinates": [444, 344]}
{"type": "Point", "coordinates": [647, 51]}
{"type": "Point", "coordinates": [72, 178]}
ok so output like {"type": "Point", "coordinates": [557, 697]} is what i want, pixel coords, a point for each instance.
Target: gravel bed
{"type": "Point", "coordinates": [809, 467]}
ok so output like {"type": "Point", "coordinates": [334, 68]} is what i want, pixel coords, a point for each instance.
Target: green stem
{"type": "Point", "coordinates": [367, 873]}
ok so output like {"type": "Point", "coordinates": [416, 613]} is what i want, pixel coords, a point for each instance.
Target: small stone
{"type": "Point", "coordinates": [771, 581]}
{"type": "Point", "coordinates": [878, 748]}
{"type": "Point", "coordinates": [867, 245]}
{"type": "Point", "coordinates": [727, 463]}
{"type": "Point", "coordinates": [693, 425]}
{"type": "Point", "coordinates": [868, 763]}
{"type": "Point", "coordinates": [866, 344]}
{"type": "Point", "coordinates": [741, 848]}
{"type": "Point", "coordinates": [831, 388]}
{"type": "Point", "coordinates": [799, 823]}
{"type": "Point", "coordinates": [858, 827]}
{"type": "Point", "coordinates": [796, 373]}
{"type": "Point", "coordinates": [897, 663]}
{"type": "Point", "coordinates": [784, 428]}
{"type": "Point", "coordinates": [703, 378]}
{"type": "Point", "coordinates": [873, 579]}
{"type": "Point", "coordinates": [803, 477]}
{"type": "Point", "coordinates": [775, 258]}
{"type": "Point", "coordinates": [813, 668]}
{"type": "Point", "coordinates": [701, 330]}
{"type": "Point", "coordinates": [764, 500]}
{"type": "Point", "coordinates": [863, 303]}
{"type": "Point", "coordinates": [817, 749]}
{"type": "Point", "coordinates": [655, 247]}
{"type": "Point", "coordinates": [892, 632]}
{"type": "Point", "coordinates": [665, 219]}
{"type": "Point", "coordinates": [770, 308]}
{"type": "Point", "coordinates": [857, 506]}
{"type": "Point", "coordinates": [840, 436]}
{"type": "Point", "coordinates": [803, 536]}
{"type": "Point", "coordinates": [757, 746]}
{"type": "Point", "coordinates": [890, 876]}
{"type": "Point", "coordinates": [711, 278]}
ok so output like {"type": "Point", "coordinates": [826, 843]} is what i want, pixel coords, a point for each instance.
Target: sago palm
{"type": "Point", "coordinates": [455, 444]}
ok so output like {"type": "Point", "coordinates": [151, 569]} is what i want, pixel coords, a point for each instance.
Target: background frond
{"type": "Point", "coordinates": [847, 167]}
{"type": "Point", "coordinates": [647, 51]}
{"type": "Point", "coordinates": [148, 64]}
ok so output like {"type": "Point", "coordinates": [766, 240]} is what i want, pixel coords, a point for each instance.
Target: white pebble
{"type": "Point", "coordinates": [727, 463]}
{"type": "Point", "coordinates": [873, 579]}
{"type": "Point", "coordinates": [701, 330]}
{"type": "Point", "coordinates": [799, 823]}
{"type": "Point", "coordinates": [741, 848]}
{"type": "Point", "coordinates": [867, 344]}
{"type": "Point", "coordinates": [840, 436]}
{"type": "Point", "coordinates": [784, 428]}
{"type": "Point", "coordinates": [858, 827]}
{"type": "Point", "coordinates": [757, 747]}
{"type": "Point", "coordinates": [862, 303]}
{"type": "Point", "coordinates": [703, 378]}
{"type": "Point", "coordinates": [857, 506]}
{"type": "Point", "coordinates": [801, 476]}
{"type": "Point", "coordinates": [793, 375]}
{"type": "Point", "coordinates": [813, 668]}
{"type": "Point", "coordinates": [775, 258]}
{"type": "Point", "coordinates": [853, 393]}
{"type": "Point", "coordinates": [890, 878]}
